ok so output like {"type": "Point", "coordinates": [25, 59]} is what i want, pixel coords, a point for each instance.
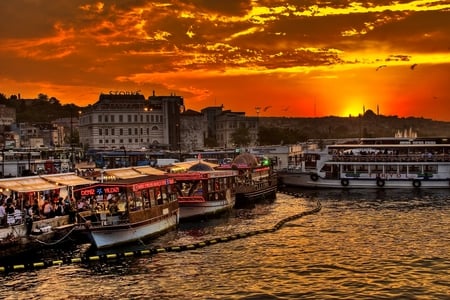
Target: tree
{"type": "Point", "coordinates": [241, 137]}
{"type": "Point", "coordinates": [42, 97]}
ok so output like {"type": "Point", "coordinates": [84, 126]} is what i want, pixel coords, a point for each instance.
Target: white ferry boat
{"type": "Point", "coordinates": [373, 163]}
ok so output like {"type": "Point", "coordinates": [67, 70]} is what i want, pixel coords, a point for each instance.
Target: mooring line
{"type": "Point", "coordinates": [156, 250]}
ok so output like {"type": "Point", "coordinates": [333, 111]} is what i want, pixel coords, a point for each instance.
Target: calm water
{"type": "Point", "coordinates": [361, 245]}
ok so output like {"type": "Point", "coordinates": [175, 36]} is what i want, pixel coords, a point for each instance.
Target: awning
{"type": "Point", "coordinates": [187, 164]}
{"type": "Point", "coordinates": [27, 184]}
{"type": "Point", "coordinates": [68, 179]}
{"type": "Point", "coordinates": [123, 173]}
{"type": "Point", "coordinates": [149, 170]}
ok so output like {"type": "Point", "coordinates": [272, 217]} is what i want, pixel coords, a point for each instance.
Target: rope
{"type": "Point", "coordinates": [58, 241]}
{"type": "Point", "coordinates": [153, 251]}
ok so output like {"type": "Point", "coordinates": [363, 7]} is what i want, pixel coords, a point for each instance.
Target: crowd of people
{"type": "Point", "coordinates": [17, 211]}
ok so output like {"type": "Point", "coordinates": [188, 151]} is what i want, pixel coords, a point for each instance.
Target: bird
{"type": "Point", "coordinates": [286, 108]}
{"type": "Point", "coordinates": [413, 66]}
{"type": "Point", "coordinates": [266, 108]}
{"type": "Point", "coordinates": [379, 67]}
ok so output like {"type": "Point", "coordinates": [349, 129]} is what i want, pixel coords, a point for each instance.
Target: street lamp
{"type": "Point", "coordinates": [258, 109]}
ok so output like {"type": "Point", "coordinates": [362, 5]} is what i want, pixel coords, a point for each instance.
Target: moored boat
{"type": "Point", "coordinates": [374, 163]}
{"type": "Point", "coordinates": [129, 205]}
{"type": "Point", "coordinates": [256, 181]}
{"type": "Point", "coordinates": [42, 211]}
{"type": "Point", "coordinates": [203, 191]}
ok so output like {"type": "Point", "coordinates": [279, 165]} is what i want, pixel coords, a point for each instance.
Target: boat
{"type": "Point", "coordinates": [29, 228]}
{"type": "Point", "coordinates": [128, 205]}
{"type": "Point", "coordinates": [256, 181]}
{"type": "Point", "coordinates": [203, 191]}
{"type": "Point", "coordinates": [373, 163]}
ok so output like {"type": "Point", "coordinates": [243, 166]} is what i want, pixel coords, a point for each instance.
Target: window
{"type": "Point", "coordinates": [120, 118]}
{"type": "Point", "coordinates": [129, 118]}
{"type": "Point", "coordinates": [121, 131]}
{"type": "Point", "coordinates": [100, 131]}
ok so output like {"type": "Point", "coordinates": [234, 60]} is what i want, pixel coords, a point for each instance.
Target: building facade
{"type": "Point", "coordinates": [126, 120]}
{"type": "Point", "coordinates": [228, 122]}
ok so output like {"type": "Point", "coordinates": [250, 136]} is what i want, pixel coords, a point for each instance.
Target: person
{"type": "Point", "coordinates": [47, 209]}
{"type": "Point", "coordinates": [17, 215]}
{"type": "Point", "coordinates": [59, 211]}
{"type": "Point", "coordinates": [113, 208]}
{"type": "Point", "coordinates": [2, 213]}
{"type": "Point", "coordinates": [10, 213]}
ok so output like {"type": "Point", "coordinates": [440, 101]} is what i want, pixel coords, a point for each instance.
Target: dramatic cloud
{"type": "Point", "coordinates": [315, 57]}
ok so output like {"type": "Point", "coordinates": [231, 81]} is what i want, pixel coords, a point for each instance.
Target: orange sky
{"type": "Point", "coordinates": [289, 57]}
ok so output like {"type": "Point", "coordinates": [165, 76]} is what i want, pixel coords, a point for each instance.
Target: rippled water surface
{"type": "Point", "coordinates": [362, 245]}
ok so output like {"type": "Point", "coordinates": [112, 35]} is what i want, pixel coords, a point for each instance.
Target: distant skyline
{"type": "Point", "coordinates": [288, 57]}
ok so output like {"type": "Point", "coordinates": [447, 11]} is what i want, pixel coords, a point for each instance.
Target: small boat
{"type": "Point", "coordinates": [373, 163]}
{"type": "Point", "coordinates": [256, 181]}
{"type": "Point", "coordinates": [129, 205]}
{"type": "Point", "coordinates": [204, 191]}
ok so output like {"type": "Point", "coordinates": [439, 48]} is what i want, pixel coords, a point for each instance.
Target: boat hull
{"type": "Point", "coordinates": [248, 198]}
{"type": "Point", "coordinates": [114, 235]}
{"type": "Point", "coordinates": [25, 237]}
{"type": "Point", "coordinates": [304, 180]}
{"type": "Point", "coordinates": [204, 209]}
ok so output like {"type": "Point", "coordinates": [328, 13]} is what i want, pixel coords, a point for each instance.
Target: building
{"type": "Point", "coordinates": [126, 120]}
{"type": "Point", "coordinates": [227, 122]}
{"type": "Point", "coordinates": [7, 115]}
{"type": "Point", "coordinates": [193, 130]}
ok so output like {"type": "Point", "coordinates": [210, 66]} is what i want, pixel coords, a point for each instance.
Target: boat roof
{"type": "Point", "coordinates": [43, 182]}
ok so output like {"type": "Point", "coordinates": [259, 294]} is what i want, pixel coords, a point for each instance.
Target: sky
{"type": "Point", "coordinates": [293, 58]}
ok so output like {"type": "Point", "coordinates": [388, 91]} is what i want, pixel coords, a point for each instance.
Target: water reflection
{"type": "Point", "coordinates": [362, 244]}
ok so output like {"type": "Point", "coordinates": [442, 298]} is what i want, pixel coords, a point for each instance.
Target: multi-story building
{"type": "Point", "coordinates": [193, 130]}
{"type": "Point", "coordinates": [127, 120]}
{"type": "Point", "coordinates": [7, 115]}
{"type": "Point", "coordinates": [227, 122]}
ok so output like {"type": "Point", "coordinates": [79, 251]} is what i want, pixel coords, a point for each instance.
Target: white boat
{"type": "Point", "coordinates": [373, 163]}
{"type": "Point", "coordinates": [128, 206]}
{"type": "Point", "coordinates": [203, 191]}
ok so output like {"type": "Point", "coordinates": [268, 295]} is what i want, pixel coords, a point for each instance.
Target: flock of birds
{"type": "Point", "coordinates": [412, 67]}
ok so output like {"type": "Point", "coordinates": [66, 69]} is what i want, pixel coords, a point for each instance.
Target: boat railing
{"type": "Point", "coordinates": [391, 158]}
{"type": "Point", "coordinates": [190, 199]}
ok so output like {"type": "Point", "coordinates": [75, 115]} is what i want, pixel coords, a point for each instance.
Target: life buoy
{"type": "Point", "coordinates": [314, 177]}
{"type": "Point", "coordinates": [417, 183]}
{"type": "Point", "coordinates": [344, 182]}
{"type": "Point", "coordinates": [380, 182]}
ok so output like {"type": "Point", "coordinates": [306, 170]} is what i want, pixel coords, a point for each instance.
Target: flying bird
{"type": "Point", "coordinates": [266, 108]}
{"type": "Point", "coordinates": [286, 108]}
{"type": "Point", "coordinates": [379, 67]}
{"type": "Point", "coordinates": [413, 66]}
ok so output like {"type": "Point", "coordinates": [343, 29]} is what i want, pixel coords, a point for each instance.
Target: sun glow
{"type": "Point", "coordinates": [353, 108]}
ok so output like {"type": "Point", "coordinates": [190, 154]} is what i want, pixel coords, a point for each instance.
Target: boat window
{"type": "Point", "coordinates": [414, 169]}
{"type": "Point", "coordinates": [152, 197]}
{"type": "Point", "coordinates": [164, 194]}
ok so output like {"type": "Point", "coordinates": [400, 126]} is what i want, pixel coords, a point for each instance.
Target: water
{"type": "Point", "coordinates": [362, 245]}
